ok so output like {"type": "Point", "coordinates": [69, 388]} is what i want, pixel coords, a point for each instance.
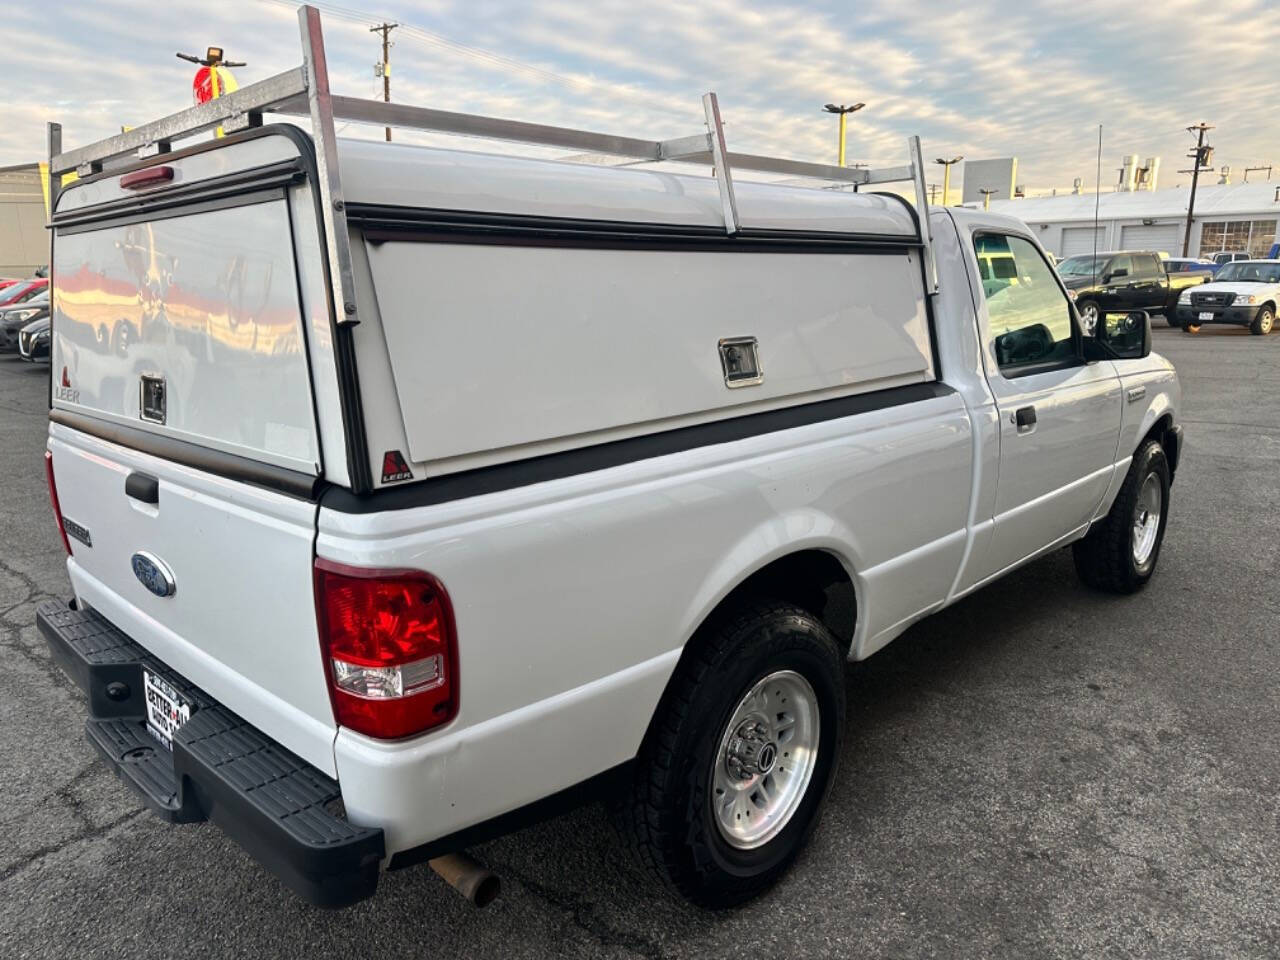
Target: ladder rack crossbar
{"type": "Point", "coordinates": [254, 98]}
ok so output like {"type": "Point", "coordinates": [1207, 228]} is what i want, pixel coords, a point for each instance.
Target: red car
{"type": "Point", "coordinates": [21, 290]}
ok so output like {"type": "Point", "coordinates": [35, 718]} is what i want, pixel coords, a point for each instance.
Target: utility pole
{"type": "Point", "coordinates": [843, 112]}
{"type": "Point", "coordinates": [384, 68]}
{"type": "Point", "coordinates": [986, 197]}
{"type": "Point", "coordinates": [1203, 157]}
{"type": "Point", "coordinates": [946, 177]}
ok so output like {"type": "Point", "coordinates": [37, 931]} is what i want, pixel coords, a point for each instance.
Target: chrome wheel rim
{"type": "Point", "coordinates": [765, 760]}
{"type": "Point", "coordinates": [1090, 317]}
{"type": "Point", "coordinates": [1146, 519]}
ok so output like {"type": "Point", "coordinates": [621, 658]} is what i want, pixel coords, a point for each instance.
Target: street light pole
{"type": "Point", "coordinates": [986, 198]}
{"type": "Point", "coordinates": [946, 177]}
{"type": "Point", "coordinates": [843, 111]}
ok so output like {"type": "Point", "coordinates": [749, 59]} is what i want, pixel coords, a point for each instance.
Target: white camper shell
{"type": "Point", "coordinates": [407, 490]}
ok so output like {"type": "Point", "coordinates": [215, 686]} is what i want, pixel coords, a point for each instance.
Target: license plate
{"type": "Point", "coordinates": [167, 710]}
{"type": "Point", "coordinates": [1206, 315]}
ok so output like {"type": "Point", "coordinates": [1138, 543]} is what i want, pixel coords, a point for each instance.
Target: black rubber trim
{"type": "Point", "coordinates": [381, 223]}
{"type": "Point", "coordinates": [228, 465]}
{"type": "Point", "coordinates": [602, 786]}
{"type": "Point", "coordinates": [283, 811]}
{"type": "Point", "coordinates": [555, 466]}
{"type": "Point", "coordinates": [142, 487]}
{"type": "Point", "coordinates": [160, 203]}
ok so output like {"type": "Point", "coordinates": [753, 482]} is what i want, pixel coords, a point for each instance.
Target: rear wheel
{"type": "Point", "coordinates": [738, 761]}
{"type": "Point", "coordinates": [1263, 322]}
{"type": "Point", "coordinates": [1120, 552]}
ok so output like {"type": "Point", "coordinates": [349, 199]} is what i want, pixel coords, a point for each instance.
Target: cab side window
{"type": "Point", "coordinates": [1030, 315]}
{"type": "Point", "coordinates": [1124, 263]}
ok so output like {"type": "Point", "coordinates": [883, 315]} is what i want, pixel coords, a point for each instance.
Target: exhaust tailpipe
{"type": "Point", "coordinates": [477, 883]}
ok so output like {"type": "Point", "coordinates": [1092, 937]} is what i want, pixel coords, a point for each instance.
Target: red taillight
{"type": "Point", "coordinates": [53, 499]}
{"type": "Point", "coordinates": [390, 649]}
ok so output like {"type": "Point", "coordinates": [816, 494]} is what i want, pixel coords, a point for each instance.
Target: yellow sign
{"type": "Point", "coordinates": [44, 183]}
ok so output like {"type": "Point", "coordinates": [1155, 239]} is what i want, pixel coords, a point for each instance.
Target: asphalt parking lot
{"type": "Point", "coordinates": [1036, 772]}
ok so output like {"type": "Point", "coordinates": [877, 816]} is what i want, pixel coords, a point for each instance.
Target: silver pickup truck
{"type": "Point", "coordinates": [412, 494]}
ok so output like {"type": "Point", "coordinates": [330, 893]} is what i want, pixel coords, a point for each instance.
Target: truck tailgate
{"type": "Point", "coordinates": [240, 622]}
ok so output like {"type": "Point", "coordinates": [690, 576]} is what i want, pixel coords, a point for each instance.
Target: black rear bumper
{"type": "Point", "coordinates": [283, 811]}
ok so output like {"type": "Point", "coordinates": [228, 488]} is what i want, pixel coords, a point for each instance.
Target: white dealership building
{"type": "Point", "coordinates": [1235, 216]}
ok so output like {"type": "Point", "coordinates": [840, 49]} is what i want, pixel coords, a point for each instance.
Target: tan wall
{"type": "Point", "coordinates": [24, 243]}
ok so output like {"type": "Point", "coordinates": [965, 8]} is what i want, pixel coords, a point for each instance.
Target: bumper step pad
{"type": "Point", "coordinates": [277, 806]}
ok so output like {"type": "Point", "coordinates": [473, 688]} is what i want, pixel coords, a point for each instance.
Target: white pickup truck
{"type": "Point", "coordinates": [412, 494]}
{"type": "Point", "coordinates": [1244, 293]}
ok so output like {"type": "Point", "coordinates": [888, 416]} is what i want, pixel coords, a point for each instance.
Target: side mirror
{"type": "Point", "coordinates": [1115, 275]}
{"type": "Point", "coordinates": [1127, 335]}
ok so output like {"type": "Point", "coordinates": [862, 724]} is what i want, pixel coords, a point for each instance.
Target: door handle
{"type": "Point", "coordinates": [1024, 418]}
{"type": "Point", "coordinates": [142, 487]}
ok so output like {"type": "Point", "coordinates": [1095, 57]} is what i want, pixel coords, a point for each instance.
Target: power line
{"type": "Point", "coordinates": [487, 57]}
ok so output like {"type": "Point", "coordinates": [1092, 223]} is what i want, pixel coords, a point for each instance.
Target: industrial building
{"type": "Point", "coordinates": [24, 245]}
{"type": "Point", "coordinates": [1228, 216]}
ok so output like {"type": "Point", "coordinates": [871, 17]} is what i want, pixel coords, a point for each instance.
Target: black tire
{"type": "Point", "coordinates": [1263, 322]}
{"type": "Point", "coordinates": [1104, 559]}
{"type": "Point", "coordinates": [668, 819]}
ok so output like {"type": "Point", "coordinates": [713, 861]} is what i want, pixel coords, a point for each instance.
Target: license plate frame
{"type": "Point", "coordinates": [167, 708]}
{"type": "Point", "coordinates": [1206, 314]}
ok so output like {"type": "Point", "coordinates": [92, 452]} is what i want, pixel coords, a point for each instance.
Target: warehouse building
{"type": "Point", "coordinates": [24, 245]}
{"type": "Point", "coordinates": [1236, 216]}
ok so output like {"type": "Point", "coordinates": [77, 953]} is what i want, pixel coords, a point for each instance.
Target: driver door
{"type": "Point", "coordinates": [1059, 416]}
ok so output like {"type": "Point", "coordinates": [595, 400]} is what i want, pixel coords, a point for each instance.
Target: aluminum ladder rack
{"type": "Point", "coordinates": [304, 91]}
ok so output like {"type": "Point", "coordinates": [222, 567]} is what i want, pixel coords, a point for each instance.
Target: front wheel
{"type": "Point", "coordinates": [1089, 314]}
{"type": "Point", "coordinates": [739, 758]}
{"type": "Point", "coordinates": [1263, 322]}
{"type": "Point", "coordinates": [1119, 553]}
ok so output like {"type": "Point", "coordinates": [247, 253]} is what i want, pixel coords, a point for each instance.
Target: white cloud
{"type": "Point", "coordinates": [986, 78]}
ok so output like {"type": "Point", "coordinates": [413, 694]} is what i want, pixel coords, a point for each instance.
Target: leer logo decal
{"type": "Point", "coordinates": [64, 390]}
{"type": "Point", "coordinates": [394, 467]}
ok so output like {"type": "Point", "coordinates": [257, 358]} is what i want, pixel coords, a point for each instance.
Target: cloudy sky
{"type": "Point", "coordinates": [983, 79]}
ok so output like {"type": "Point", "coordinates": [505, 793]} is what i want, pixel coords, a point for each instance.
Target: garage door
{"type": "Point", "coordinates": [1161, 238]}
{"type": "Point", "coordinates": [1078, 240]}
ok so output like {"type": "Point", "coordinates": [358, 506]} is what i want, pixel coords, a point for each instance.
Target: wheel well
{"type": "Point", "coordinates": [1162, 432]}
{"type": "Point", "coordinates": [811, 579]}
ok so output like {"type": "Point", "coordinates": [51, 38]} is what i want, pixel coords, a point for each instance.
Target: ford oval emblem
{"type": "Point", "coordinates": [153, 574]}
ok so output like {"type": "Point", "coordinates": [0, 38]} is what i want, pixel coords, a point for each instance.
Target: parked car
{"type": "Point", "coordinates": [611, 524]}
{"type": "Point", "coordinates": [1220, 260]}
{"type": "Point", "coordinates": [1245, 293]}
{"type": "Point", "coordinates": [1189, 265]}
{"type": "Point", "coordinates": [1123, 280]}
{"type": "Point", "coordinates": [33, 341]}
{"type": "Point", "coordinates": [13, 319]}
{"type": "Point", "coordinates": [22, 291]}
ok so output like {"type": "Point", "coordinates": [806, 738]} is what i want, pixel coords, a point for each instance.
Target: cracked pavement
{"type": "Point", "coordinates": [1037, 771]}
